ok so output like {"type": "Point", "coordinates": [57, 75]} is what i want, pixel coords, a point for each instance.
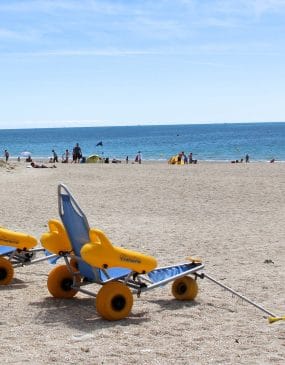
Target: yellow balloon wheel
{"type": "Point", "coordinates": [185, 288]}
{"type": "Point", "coordinates": [114, 301]}
{"type": "Point", "coordinates": [60, 282]}
{"type": "Point", "coordinates": [6, 271]}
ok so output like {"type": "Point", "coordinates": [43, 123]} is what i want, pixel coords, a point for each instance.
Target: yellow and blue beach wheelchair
{"type": "Point", "coordinates": [18, 249]}
{"type": "Point", "coordinates": [91, 258]}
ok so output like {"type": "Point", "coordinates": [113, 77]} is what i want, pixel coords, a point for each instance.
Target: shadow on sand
{"type": "Point", "coordinates": [15, 285]}
{"type": "Point", "coordinates": [173, 304]}
{"type": "Point", "coordinates": [80, 314]}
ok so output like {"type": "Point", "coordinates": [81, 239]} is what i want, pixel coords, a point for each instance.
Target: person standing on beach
{"type": "Point", "coordinates": [246, 158]}
{"type": "Point", "coordinates": [6, 154]}
{"type": "Point", "coordinates": [190, 160]}
{"type": "Point", "coordinates": [77, 153]}
{"type": "Point", "coordinates": [138, 157]}
{"type": "Point", "coordinates": [65, 157]}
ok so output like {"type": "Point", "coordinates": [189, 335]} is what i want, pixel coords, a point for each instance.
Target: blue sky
{"type": "Point", "coordinates": [120, 62]}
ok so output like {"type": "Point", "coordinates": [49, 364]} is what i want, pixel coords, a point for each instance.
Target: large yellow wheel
{"type": "Point", "coordinates": [114, 301]}
{"type": "Point", "coordinates": [185, 288]}
{"type": "Point", "coordinates": [6, 271]}
{"type": "Point", "coordinates": [60, 282]}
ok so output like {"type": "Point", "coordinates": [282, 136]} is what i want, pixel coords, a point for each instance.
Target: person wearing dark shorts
{"type": "Point", "coordinates": [77, 154]}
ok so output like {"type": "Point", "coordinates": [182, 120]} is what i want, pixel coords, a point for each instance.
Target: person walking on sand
{"type": "Point", "coordinates": [6, 154]}
{"type": "Point", "coordinates": [246, 158]}
{"type": "Point", "coordinates": [54, 154]}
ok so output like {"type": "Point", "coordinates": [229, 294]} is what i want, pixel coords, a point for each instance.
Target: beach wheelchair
{"type": "Point", "coordinates": [18, 249]}
{"type": "Point", "coordinates": [91, 258]}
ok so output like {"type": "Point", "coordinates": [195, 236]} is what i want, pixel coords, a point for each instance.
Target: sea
{"type": "Point", "coordinates": [207, 142]}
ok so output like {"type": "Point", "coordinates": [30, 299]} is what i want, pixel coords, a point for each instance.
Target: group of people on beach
{"type": "Point", "coordinates": [182, 157]}
{"type": "Point", "coordinates": [247, 160]}
{"type": "Point", "coordinates": [241, 160]}
{"type": "Point", "coordinates": [76, 155]}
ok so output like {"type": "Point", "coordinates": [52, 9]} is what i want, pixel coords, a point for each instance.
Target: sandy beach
{"type": "Point", "coordinates": [230, 215]}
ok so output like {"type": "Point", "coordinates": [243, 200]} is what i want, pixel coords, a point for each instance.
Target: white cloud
{"type": "Point", "coordinates": [42, 6]}
{"type": "Point", "coordinates": [145, 7]}
{"type": "Point", "coordinates": [248, 8]}
{"type": "Point", "coordinates": [223, 10]}
{"type": "Point", "coordinates": [261, 7]}
{"type": "Point", "coordinates": [12, 35]}
{"type": "Point", "coordinates": [86, 53]}
{"type": "Point", "coordinates": [122, 28]}
{"type": "Point", "coordinates": [36, 6]}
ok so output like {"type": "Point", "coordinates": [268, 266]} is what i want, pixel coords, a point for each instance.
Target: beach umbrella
{"type": "Point", "coordinates": [26, 154]}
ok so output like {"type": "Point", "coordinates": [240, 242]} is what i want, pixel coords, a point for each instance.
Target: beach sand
{"type": "Point", "coordinates": [230, 215]}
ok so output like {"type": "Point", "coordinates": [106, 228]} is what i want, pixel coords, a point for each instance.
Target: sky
{"type": "Point", "coordinates": [130, 62]}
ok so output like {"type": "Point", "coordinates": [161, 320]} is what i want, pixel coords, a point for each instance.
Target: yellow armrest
{"type": "Point", "coordinates": [101, 253]}
{"type": "Point", "coordinates": [56, 239]}
{"type": "Point", "coordinates": [17, 239]}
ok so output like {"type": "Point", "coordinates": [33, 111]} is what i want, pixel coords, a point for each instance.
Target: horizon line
{"type": "Point", "coordinates": [89, 125]}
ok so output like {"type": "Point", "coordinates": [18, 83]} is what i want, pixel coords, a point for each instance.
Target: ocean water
{"type": "Point", "coordinates": [213, 142]}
